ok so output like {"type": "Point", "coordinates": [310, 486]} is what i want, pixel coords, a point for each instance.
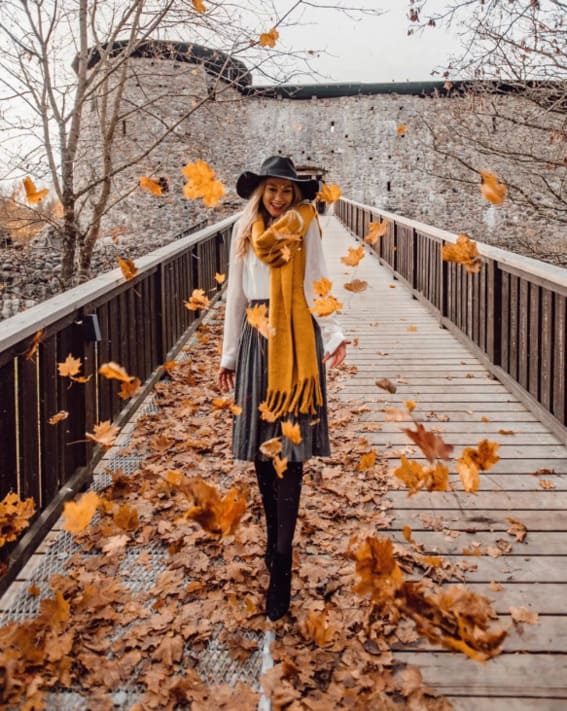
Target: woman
{"type": "Point", "coordinates": [276, 256]}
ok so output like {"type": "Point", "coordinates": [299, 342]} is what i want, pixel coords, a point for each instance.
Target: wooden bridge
{"type": "Point", "coordinates": [483, 356]}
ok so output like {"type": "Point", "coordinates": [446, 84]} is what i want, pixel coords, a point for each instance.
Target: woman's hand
{"type": "Point", "coordinates": [225, 379]}
{"type": "Point", "coordinates": [336, 358]}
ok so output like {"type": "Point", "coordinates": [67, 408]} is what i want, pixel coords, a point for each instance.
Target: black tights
{"type": "Point", "coordinates": [280, 498]}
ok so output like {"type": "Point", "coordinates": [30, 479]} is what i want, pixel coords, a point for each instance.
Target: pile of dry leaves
{"type": "Point", "coordinates": [355, 595]}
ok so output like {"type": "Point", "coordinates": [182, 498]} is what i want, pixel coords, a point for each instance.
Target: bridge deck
{"type": "Point", "coordinates": [398, 339]}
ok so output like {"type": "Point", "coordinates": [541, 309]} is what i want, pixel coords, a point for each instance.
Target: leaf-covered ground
{"type": "Point", "coordinates": [101, 631]}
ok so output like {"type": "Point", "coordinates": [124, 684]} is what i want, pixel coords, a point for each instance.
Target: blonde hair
{"type": "Point", "coordinates": [250, 213]}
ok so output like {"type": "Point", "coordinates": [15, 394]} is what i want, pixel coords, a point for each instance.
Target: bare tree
{"type": "Point", "coordinates": [512, 115]}
{"type": "Point", "coordinates": [63, 60]}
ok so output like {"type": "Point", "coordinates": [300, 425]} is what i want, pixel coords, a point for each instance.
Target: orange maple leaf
{"type": "Point", "coordinates": [198, 300]}
{"type": "Point", "coordinates": [257, 317]}
{"type": "Point", "coordinates": [431, 444]}
{"type": "Point", "coordinates": [202, 183]}
{"type": "Point", "coordinates": [34, 345]}
{"type": "Point", "coordinates": [58, 417]}
{"type": "Point", "coordinates": [376, 230]}
{"type": "Point", "coordinates": [70, 366]}
{"type": "Point", "coordinates": [417, 477]}
{"type": "Point", "coordinates": [472, 461]}
{"type": "Point", "coordinates": [219, 278]}
{"type": "Point", "coordinates": [380, 575]}
{"type": "Point", "coordinates": [151, 186]}
{"type": "Point", "coordinates": [280, 466]}
{"type": "Point", "coordinates": [315, 627]}
{"type": "Point", "coordinates": [14, 516]}
{"type": "Point", "coordinates": [326, 305]}
{"type": "Point", "coordinates": [291, 431]}
{"type": "Point", "coordinates": [329, 193]}
{"type": "Point", "coordinates": [129, 269]}
{"type": "Point", "coordinates": [269, 39]}
{"type": "Point", "coordinates": [271, 447]}
{"type": "Point", "coordinates": [356, 286]}
{"type": "Point", "coordinates": [104, 434]}
{"type": "Point", "coordinates": [322, 287]}
{"type": "Point", "coordinates": [33, 195]}
{"type": "Point", "coordinates": [113, 371]}
{"type": "Point", "coordinates": [367, 461]}
{"type": "Point", "coordinates": [354, 256]}
{"type": "Point", "coordinates": [491, 188]}
{"type": "Point", "coordinates": [198, 6]}
{"type": "Point", "coordinates": [265, 413]}
{"type": "Point", "coordinates": [78, 514]}
{"type": "Point", "coordinates": [401, 129]}
{"type": "Point", "coordinates": [129, 389]}
{"type": "Point", "coordinates": [464, 252]}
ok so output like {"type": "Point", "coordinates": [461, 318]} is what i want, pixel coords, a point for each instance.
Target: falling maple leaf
{"type": "Point", "coordinates": [33, 195]}
{"type": "Point", "coordinates": [257, 317]}
{"type": "Point", "coordinates": [291, 431]}
{"type": "Point", "coordinates": [70, 366]}
{"type": "Point", "coordinates": [265, 413]}
{"type": "Point", "coordinates": [34, 345]}
{"type": "Point", "coordinates": [128, 268]}
{"type": "Point", "coordinates": [354, 256]}
{"type": "Point", "coordinates": [329, 193]}
{"type": "Point", "coordinates": [198, 300]}
{"type": "Point", "coordinates": [376, 230]}
{"type": "Point", "coordinates": [78, 514]}
{"type": "Point", "coordinates": [151, 186]}
{"type": "Point", "coordinates": [322, 287]}
{"type": "Point", "coordinates": [418, 477]}
{"type": "Point", "coordinates": [366, 461]}
{"type": "Point", "coordinates": [129, 389]}
{"type": "Point", "coordinates": [401, 129]}
{"type": "Point", "coordinates": [380, 575]}
{"type": "Point", "coordinates": [58, 417]}
{"type": "Point", "coordinates": [547, 484]}
{"type": "Point", "coordinates": [410, 404]}
{"type": "Point", "coordinates": [104, 434]}
{"type": "Point", "coordinates": [326, 305]}
{"type": "Point", "coordinates": [14, 516]}
{"type": "Point", "coordinates": [202, 183]}
{"type": "Point", "coordinates": [316, 627]}
{"type": "Point", "coordinates": [386, 384]}
{"type": "Point", "coordinates": [491, 188]}
{"type": "Point", "coordinates": [198, 6]}
{"type": "Point", "coordinates": [356, 286]}
{"type": "Point", "coordinates": [472, 461]}
{"type": "Point", "coordinates": [431, 444]}
{"type": "Point", "coordinates": [522, 614]}
{"type": "Point", "coordinates": [269, 39]}
{"type": "Point", "coordinates": [280, 466]}
{"type": "Point", "coordinates": [464, 252]}
{"type": "Point", "coordinates": [271, 447]}
{"type": "Point", "coordinates": [127, 517]}
{"type": "Point", "coordinates": [517, 529]}
{"type": "Point", "coordinates": [113, 371]}
{"type": "Point", "coordinates": [219, 278]}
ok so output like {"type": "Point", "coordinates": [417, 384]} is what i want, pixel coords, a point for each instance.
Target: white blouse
{"type": "Point", "coordinates": [249, 278]}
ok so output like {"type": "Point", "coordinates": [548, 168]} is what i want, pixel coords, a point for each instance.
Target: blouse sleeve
{"type": "Point", "coordinates": [235, 306]}
{"type": "Point", "coordinates": [316, 269]}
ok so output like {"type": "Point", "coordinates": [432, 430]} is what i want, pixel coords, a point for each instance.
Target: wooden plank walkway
{"type": "Point", "coordinates": [399, 339]}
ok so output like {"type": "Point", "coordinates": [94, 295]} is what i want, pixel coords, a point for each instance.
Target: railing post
{"type": "Point", "coordinates": [493, 312]}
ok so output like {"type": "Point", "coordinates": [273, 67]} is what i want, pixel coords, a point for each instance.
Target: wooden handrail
{"type": "Point", "coordinates": [139, 323]}
{"type": "Point", "coordinates": [512, 315]}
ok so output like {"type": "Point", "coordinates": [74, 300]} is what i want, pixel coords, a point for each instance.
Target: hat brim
{"type": "Point", "coordinates": [248, 182]}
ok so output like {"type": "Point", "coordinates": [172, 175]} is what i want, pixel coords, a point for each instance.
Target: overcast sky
{"type": "Point", "coordinates": [372, 49]}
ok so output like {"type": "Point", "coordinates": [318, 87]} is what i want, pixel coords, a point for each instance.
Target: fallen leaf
{"type": "Point", "coordinates": [431, 444]}
{"type": "Point", "coordinates": [58, 417]}
{"type": "Point", "coordinates": [366, 461]}
{"type": "Point", "coordinates": [522, 614]}
{"type": "Point", "coordinates": [547, 484]}
{"type": "Point", "coordinates": [356, 285]}
{"type": "Point", "coordinates": [401, 129]}
{"type": "Point", "coordinates": [354, 256]}
{"type": "Point", "coordinates": [150, 185]}
{"type": "Point", "coordinates": [517, 529]}
{"type": "Point", "coordinates": [33, 195]}
{"type": "Point", "coordinates": [495, 587]}
{"type": "Point", "coordinates": [128, 268]}
{"type": "Point", "coordinates": [386, 384]}
{"type": "Point", "coordinates": [104, 434]}
{"type": "Point", "coordinates": [491, 188]}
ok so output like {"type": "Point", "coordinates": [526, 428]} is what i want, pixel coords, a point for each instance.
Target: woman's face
{"type": "Point", "coordinates": [277, 196]}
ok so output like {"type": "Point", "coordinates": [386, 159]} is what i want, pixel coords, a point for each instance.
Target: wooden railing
{"type": "Point", "coordinates": [513, 314]}
{"type": "Point", "coordinates": [139, 324]}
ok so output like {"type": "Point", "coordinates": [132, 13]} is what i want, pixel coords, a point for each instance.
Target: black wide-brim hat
{"type": "Point", "coordinates": [276, 167]}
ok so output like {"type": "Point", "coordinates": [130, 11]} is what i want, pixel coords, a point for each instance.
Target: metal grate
{"type": "Point", "coordinates": [216, 666]}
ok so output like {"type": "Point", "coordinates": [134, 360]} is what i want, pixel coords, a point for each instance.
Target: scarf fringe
{"type": "Point", "coordinates": [303, 398]}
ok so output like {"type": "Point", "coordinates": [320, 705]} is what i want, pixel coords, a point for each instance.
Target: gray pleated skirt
{"type": "Point", "coordinates": [249, 430]}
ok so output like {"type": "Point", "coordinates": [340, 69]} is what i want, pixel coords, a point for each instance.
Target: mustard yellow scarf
{"type": "Point", "coordinates": [293, 373]}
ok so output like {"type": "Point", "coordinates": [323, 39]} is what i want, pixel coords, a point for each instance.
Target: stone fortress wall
{"type": "Point", "coordinates": [351, 139]}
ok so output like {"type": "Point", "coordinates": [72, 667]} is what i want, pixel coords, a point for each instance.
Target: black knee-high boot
{"type": "Point", "coordinates": [267, 483]}
{"type": "Point", "coordinates": [288, 494]}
